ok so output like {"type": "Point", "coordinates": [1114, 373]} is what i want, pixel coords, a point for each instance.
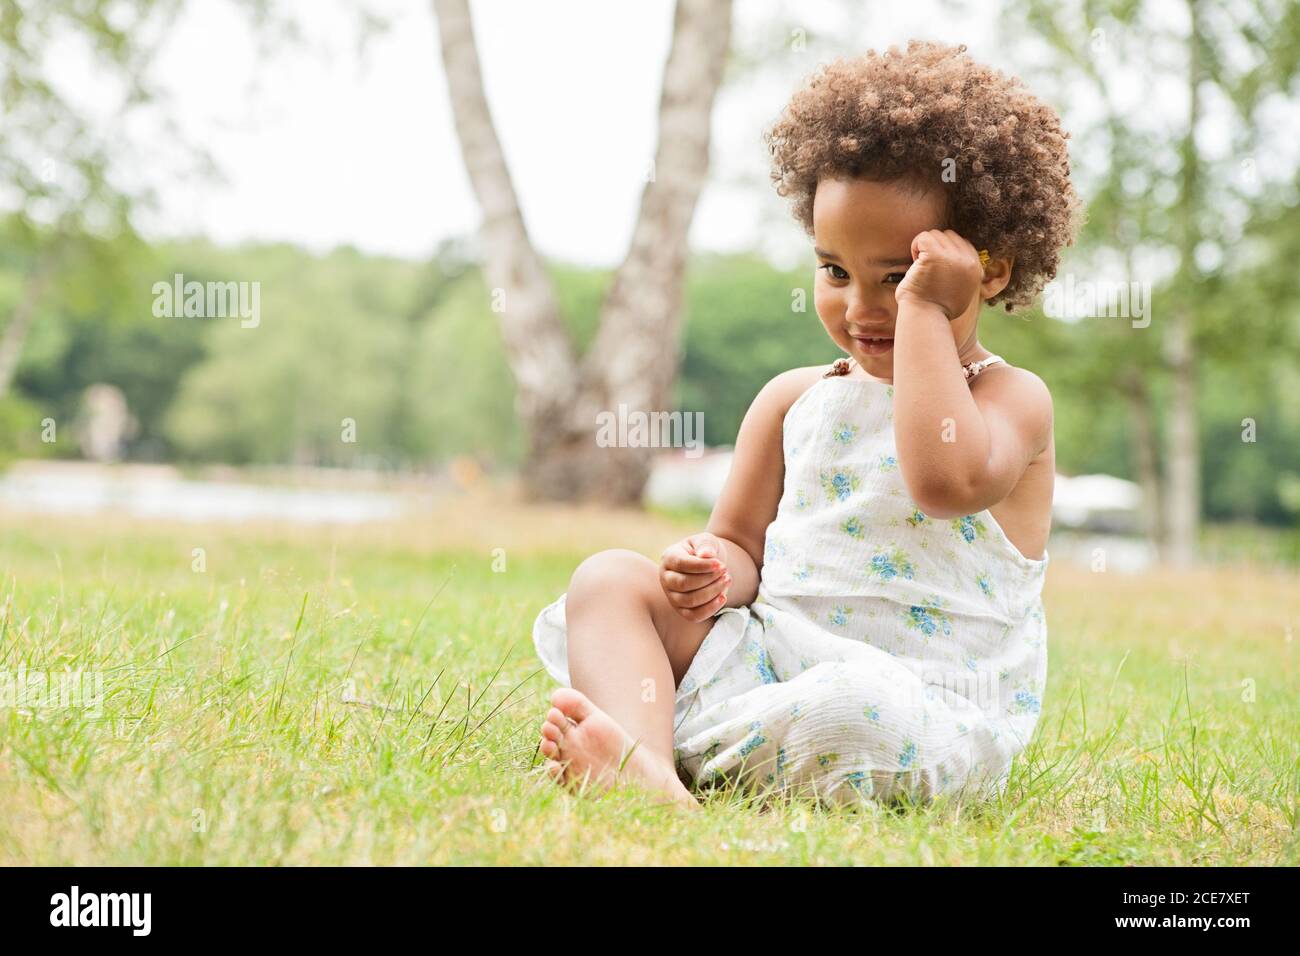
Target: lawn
{"type": "Point", "coordinates": [354, 696]}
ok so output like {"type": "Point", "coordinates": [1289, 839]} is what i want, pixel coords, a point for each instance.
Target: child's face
{"type": "Point", "coordinates": [863, 232]}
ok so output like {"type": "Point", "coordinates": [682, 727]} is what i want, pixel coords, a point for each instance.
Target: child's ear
{"type": "Point", "coordinates": [997, 273]}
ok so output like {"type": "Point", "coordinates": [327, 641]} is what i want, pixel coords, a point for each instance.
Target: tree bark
{"type": "Point", "coordinates": [1183, 494]}
{"type": "Point", "coordinates": [1138, 398]}
{"type": "Point", "coordinates": [633, 360]}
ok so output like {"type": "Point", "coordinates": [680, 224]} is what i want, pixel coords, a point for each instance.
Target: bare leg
{"type": "Point", "coordinates": [627, 648]}
{"type": "Point", "coordinates": [586, 747]}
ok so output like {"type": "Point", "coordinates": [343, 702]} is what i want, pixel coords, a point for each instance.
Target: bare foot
{"type": "Point", "coordinates": [586, 746]}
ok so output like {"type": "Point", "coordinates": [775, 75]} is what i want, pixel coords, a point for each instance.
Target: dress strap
{"type": "Point", "coordinates": [974, 368]}
{"type": "Point", "coordinates": [845, 365]}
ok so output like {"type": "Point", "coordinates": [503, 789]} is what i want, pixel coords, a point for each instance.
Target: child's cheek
{"type": "Point", "coordinates": [827, 302]}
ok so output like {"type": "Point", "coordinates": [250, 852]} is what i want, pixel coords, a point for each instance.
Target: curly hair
{"type": "Point", "coordinates": [933, 115]}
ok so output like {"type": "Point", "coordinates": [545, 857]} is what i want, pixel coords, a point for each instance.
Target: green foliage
{"type": "Point", "coordinates": [463, 396]}
{"type": "Point", "coordinates": [413, 354]}
{"type": "Point", "coordinates": [1222, 220]}
{"type": "Point", "coordinates": [20, 430]}
{"type": "Point", "coordinates": [330, 345]}
{"type": "Point", "coordinates": [742, 328]}
{"type": "Point", "coordinates": [96, 325]}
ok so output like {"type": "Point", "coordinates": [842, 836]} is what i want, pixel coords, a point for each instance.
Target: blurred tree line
{"type": "Point", "coordinates": [1203, 190]}
{"type": "Point", "coordinates": [412, 353]}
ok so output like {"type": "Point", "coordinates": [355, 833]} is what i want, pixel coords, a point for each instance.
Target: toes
{"type": "Point", "coordinates": [572, 703]}
{"type": "Point", "coordinates": [551, 732]}
{"type": "Point", "coordinates": [550, 747]}
{"type": "Point", "coordinates": [556, 718]}
{"type": "Point", "coordinates": [555, 770]}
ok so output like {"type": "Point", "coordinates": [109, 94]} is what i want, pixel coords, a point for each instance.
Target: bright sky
{"type": "Point", "coordinates": [321, 147]}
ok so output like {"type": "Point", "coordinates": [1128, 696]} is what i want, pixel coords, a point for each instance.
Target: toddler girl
{"type": "Point", "coordinates": [863, 617]}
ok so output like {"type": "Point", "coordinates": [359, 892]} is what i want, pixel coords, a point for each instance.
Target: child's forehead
{"type": "Point", "coordinates": [865, 215]}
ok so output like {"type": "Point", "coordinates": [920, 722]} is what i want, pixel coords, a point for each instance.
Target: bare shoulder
{"type": "Point", "coordinates": [783, 390]}
{"type": "Point", "coordinates": [1018, 396]}
{"type": "Point", "coordinates": [752, 493]}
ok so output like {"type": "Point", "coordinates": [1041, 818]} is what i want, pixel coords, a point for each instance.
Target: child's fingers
{"type": "Point", "coordinates": [705, 545]}
{"type": "Point", "coordinates": [677, 582]}
{"type": "Point", "coordinates": [677, 558]}
{"type": "Point", "coordinates": [921, 242]}
{"type": "Point", "coordinates": [701, 597]}
{"type": "Point", "coordinates": [705, 611]}
{"type": "Point", "coordinates": [933, 242]}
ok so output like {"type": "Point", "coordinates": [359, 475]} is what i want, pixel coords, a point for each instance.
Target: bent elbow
{"type": "Point", "coordinates": [945, 500]}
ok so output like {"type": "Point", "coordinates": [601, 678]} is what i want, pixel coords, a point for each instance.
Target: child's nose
{"type": "Point", "coordinates": [868, 308]}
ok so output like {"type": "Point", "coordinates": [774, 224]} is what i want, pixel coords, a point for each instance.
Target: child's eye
{"type": "Point", "coordinates": [831, 265]}
{"type": "Point", "coordinates": [895, 277]}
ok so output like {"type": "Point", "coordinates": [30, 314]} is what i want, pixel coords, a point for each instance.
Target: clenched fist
{"type": "Point", "coordinates": [693, 573]}
{"type": "Point", "coordinates": [945, 272]}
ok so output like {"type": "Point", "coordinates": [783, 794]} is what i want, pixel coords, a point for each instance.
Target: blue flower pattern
{"type": "Point", "coordinates": [761, 662]}
{"type": "Point", "coordinates": [1025, 703]}
{"type": "Point", "coordinates": [840, 483]}
{"type": "Point", "coordinates": [859, 783]}
{"type": "Point", "coordinates": [969, 528]}
{"type": "Point", "coordinates": [907, 756]}
{"type": "Point", "coordinates": [887, 565]}
{"type": "Point", "coordinates": [928, 618]}
{"type": "Point", "coordinates": [755, 740]}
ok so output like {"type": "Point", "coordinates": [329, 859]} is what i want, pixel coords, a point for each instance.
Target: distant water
{"type": "Point", "coordinates": [72, 489]}
{"type": "Point", "coordinates": [106, 491]}
{"type": "Point", "coordinates": [1103, 552]}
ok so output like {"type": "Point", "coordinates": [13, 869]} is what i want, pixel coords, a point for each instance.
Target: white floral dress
{"type": "Point", "coordinates": [887, 653]}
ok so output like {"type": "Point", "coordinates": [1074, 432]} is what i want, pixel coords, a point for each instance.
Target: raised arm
{"type": "Point", "coordinates": [961, 447]}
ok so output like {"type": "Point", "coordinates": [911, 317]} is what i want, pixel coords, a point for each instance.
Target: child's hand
{"type": "Point", "coordinates": [945, 272]}
{"type": "Point", "coordinates": [693, 573]}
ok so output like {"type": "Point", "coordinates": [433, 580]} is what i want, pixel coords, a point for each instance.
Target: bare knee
{"type": "Point", "coordinates": [617, 570]}
{"type": "Point", "coordinates": [621, 574]}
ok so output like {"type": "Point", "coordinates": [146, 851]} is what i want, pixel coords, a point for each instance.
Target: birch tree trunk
{"type": "Point", "coordinates": [1143, 442]}
{"type": "Point", "coordinates": [1183, 453]}
{"type": "Point", "coordinates": [1144, 435]}
{"type": "Point", "coordinates": [634, 358]}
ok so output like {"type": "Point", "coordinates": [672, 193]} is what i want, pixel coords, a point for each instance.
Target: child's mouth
{"type": "Point", "coordinates": [875, 344]}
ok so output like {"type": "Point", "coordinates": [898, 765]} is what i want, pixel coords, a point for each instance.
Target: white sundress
{"type": "Point", "coordinates": [887, 653]}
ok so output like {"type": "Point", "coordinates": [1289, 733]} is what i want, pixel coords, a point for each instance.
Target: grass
{"type": "Point", "coordinates": [371, 696]}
